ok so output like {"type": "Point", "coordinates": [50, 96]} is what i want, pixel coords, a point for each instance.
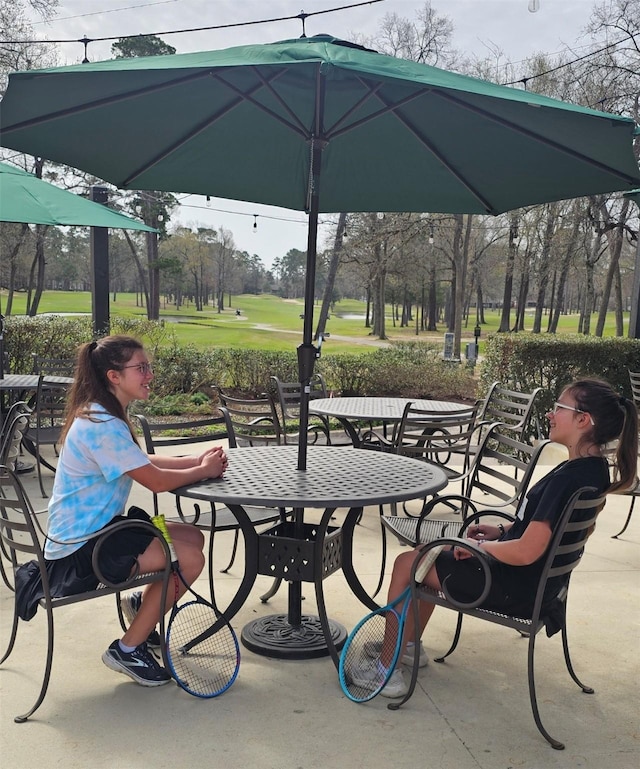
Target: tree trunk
{"type": "Point", "coordinates": [543, 272]}
{"type": "Point", "coordinates": [331, 276]}
{"type": "Point", "coordinates": [508, 278]}
{"type": "Point", "coordinates": [140, 268]}
{"type": "Point", "coordinates": [615, 239]}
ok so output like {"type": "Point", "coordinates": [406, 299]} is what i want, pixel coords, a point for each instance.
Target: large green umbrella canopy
{"type": "Point", "coordinates": [25, 198]}
{"type": "Point", "coordinates": [239, 123]}
{"type": "Point", "coordinates": [316, 124]}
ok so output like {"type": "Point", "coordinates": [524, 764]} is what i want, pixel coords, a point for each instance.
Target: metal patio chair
{"type": "Point", "coordinates": [563, 555]}
{"type": "Point", "coordinates": [46, 423]}
{"type": "Point", "coordinates": [22, 534]}
{"type": "Point", "coordinates": [498, 478]}
{"type": "Point", "coordinates": [287, 396]}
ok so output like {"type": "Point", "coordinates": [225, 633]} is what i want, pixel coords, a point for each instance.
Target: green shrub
{"type": "Point", "coordinates": [407, 369]}
{"type": "Point", "coordinates": [526, 361]}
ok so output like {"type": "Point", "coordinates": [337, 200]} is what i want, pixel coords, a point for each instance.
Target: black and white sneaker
{"type": "Point", "coordinates": [140, 665]}
{"type": "Point", "coordinates": [130, 605]}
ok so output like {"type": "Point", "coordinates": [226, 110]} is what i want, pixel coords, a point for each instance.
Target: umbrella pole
{"type": "Point", "coordinates": [307, 352]}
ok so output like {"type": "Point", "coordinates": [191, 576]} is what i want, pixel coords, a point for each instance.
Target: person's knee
{"type": "Point", "coordinates": [403, 563]}
{"type": "Point", "coordinates": [193, 563]}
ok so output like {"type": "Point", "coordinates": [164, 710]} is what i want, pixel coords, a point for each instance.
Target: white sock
{"type": "Point", "coordinates": [126, 649]}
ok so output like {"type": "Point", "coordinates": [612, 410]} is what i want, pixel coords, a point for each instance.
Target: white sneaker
{"type": "Point", "coordinates": [369, 677]}
{"type": "Point", "coordinates": [373, 649]}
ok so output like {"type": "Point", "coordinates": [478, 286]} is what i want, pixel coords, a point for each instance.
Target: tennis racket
{"type": "Point", "coordinates": [377, 638]}
{"type": "Point", "coordinates": [202, 648]}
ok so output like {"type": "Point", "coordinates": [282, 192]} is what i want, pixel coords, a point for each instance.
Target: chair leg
{"type": "Point", "coordinates": [47, 672]}
{"type": "Point", "coordinates": [12, 637]}
{"type": "Point", "coordinates": [567, 658]}
{"type": "Point", "coordinates": [275, 586]}
{"type": "Point", "coordinates": [626, 523]}
{"type": "Point", "coordinates": [39, 465]}
{"type": "Point", "coordinates": [556, 744]}
{"type": "Point", "coordinates": [3, 570]}
{"type": "Point", "coordinates": [233, 553]}
{"type": "Point", "coordinates": [454, 643]}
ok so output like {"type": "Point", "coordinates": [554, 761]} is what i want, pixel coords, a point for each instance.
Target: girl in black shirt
{"type": "Point", "coordinates": [588, 415]}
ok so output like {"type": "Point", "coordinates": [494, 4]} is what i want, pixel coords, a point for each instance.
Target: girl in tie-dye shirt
{"type": "Point", "coordinates": [99, 461]}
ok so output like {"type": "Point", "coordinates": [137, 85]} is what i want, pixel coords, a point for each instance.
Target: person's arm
{"type": "Point", "coordinates": [167, 473]}
{"type": "Point", "coordinates": [487, 531]}
{"type": "Point", "coordinates": [525, 550]}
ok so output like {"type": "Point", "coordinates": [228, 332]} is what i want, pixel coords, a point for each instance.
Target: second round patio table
{"type": "Point", "coordinates": [351, 410]}
{"type": "Point", "coordinates": [297, 551]}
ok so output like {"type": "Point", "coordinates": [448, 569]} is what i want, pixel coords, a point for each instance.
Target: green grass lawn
{"type": "Point", "coordinates": [269, 322]}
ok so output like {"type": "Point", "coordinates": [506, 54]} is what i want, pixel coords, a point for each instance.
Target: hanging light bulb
{"type": "Point", "coordinates": [534, 6]}
{"type": "Point", "coordinates": [208, 201]}
{"type": "Point", "coordinates": [255, 223]}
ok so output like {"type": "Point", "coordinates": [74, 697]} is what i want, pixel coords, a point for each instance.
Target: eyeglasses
{"type": "Point", "coordinates": [143, 368]}
{"type": "Point", "coordinates": [558, 405]}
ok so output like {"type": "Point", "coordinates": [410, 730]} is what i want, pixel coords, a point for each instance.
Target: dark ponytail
{"type": "Point", "coordinates": [615, 418]}
{"type": "Point", "coordinates": [90, 382]}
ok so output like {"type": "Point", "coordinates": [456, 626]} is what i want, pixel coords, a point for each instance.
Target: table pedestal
{"type": "Point", "coordinates": [275, 636]}
{"type": "Point", "coordinates": [298, 552]}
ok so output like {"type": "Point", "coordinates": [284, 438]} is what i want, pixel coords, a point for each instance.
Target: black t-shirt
{"type": "Point", "coordinates": [545, 501]}
{"type": "Point", "coordinates": [513, 588]}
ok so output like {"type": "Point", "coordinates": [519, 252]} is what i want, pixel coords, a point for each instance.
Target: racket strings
{"type": "Point", "coordinates": [369, 658]}
{"type": "Point", "coordinates": [210, 666]}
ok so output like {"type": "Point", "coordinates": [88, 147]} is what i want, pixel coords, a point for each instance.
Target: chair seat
{"type": "Point", "coordinates": [405, 529]}
{"type": "Point", "coordinates": [225, 520]}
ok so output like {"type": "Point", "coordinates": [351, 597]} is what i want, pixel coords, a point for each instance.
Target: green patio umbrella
{"type": "Point", "coordinates": [25, 198]}
{"type": "Point", "coordinates": [316, 124]}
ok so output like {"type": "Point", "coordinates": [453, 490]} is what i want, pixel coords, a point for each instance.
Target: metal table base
{"type": "Point", "coordinates": [275, 636]}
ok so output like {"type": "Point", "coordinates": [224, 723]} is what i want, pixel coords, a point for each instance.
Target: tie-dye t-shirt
{"type": "Point", "coordinates": [91, 486]}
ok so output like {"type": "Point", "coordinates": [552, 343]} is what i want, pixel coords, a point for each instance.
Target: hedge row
{"type": "Point", "coordinates": [412, 369]}
{"type": "Point", "coordinates": [526, 361]}
{"type": "Point", "coordinates": [408, 369]}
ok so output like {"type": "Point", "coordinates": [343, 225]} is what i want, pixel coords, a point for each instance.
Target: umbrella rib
{"type": "Point", "coordinates": [333, 134]}
{"type": "Point", "coordinates": [300, 129]}
{"type": "Point", "coordinates": [395, 110]}
{"type": "Point", "coordinates": [107, 100]}
{"type": "Point", "coordinates": [537, 137]}
{"type": "Point", "coordinates": [241, 96]}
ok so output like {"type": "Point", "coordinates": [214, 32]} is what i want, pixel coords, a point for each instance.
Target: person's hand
{"type": "Point", "coordinates": [483, 531]}
{"type": "Point", "coordinates": [214, 461]}
{"type": "Point", "coordinates": [461, 553]}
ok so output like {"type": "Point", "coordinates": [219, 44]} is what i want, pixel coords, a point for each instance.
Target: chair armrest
{"type": "Point", "coordinates": [471, 519]}
{"type": "Point", "coordinates": [105, 533]}
{"type": "Point", "coordinates": [102, 536]}
{"type": "Point", "coordinates": [483, 557]}
{"type": "Point", "coordinates": [373, 441]}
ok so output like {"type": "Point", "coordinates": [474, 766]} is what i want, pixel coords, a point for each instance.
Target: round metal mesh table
{"type": "Point", "coordinates": [298, 551]}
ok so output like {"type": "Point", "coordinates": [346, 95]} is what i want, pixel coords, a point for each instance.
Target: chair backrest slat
{"type": "Point", "coordinates": [568, 540]}
{"type": "Point", "coordinates": [250, 422]}
{"type": "Point", "coordinates": [634, 378]}
{"type": "Point", "coordinates": [513, 408]}
{"type": "Point", "coordinates": [181, 432]}
{"type": "Point", "coordinates": [503, 467]}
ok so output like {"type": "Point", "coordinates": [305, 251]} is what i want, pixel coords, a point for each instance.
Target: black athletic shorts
{"type": "Point", "coordinates": [118, 553]}
{"type": "Point", "coordinates": [509, 592]}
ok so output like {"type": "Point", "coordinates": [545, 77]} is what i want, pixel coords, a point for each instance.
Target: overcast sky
{"type": "Point", "coordinates": [480, 27]}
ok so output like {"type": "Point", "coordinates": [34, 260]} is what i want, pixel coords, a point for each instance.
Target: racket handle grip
{"type": "Point", "coordinates": [427, 562]}
{"type": "Point", "coordinates": [160, 524]}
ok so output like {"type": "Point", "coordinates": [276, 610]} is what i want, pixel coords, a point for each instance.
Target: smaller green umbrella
{"type": "Point", "coordinates": [25, 198]}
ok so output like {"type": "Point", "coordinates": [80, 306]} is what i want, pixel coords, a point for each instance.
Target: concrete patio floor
{"type": "Point", "coordinates": [470, 713]}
